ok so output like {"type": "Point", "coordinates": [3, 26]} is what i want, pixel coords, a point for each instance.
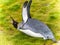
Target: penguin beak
{"type": "Point", "coordinates": [15, 24]}
{"type": "Point", "coordinates": [25, 4]}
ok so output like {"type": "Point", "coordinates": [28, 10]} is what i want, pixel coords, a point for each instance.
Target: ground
{"type": "Point", "coordinates": [47, 11]}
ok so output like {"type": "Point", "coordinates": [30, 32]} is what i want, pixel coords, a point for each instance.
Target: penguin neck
{"type": "Point", "coordinates": [25, 15]}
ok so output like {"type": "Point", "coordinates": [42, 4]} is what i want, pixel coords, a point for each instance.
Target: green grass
{"type": "Point", "coordinates": [47, 11]}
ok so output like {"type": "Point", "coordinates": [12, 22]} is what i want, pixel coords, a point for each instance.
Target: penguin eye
{"type": "Point", "coordinates": [20, 28]}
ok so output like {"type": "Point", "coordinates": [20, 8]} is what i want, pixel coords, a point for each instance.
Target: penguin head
{"type": "Point", "coordinates": [15, 23]}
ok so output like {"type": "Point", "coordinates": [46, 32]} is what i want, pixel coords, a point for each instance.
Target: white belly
{"type": "Point", "coordinates": [31, 33]}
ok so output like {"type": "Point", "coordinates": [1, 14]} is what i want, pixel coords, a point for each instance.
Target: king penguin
{"type": "Point", "coordinates": [33, 27]}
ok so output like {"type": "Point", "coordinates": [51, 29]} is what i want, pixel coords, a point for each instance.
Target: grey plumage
{"type": "Point", "coordinates": [38, 27]}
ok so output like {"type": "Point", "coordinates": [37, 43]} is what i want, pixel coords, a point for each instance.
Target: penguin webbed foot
{"type": "Point", "coordinates": [25, 4]}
